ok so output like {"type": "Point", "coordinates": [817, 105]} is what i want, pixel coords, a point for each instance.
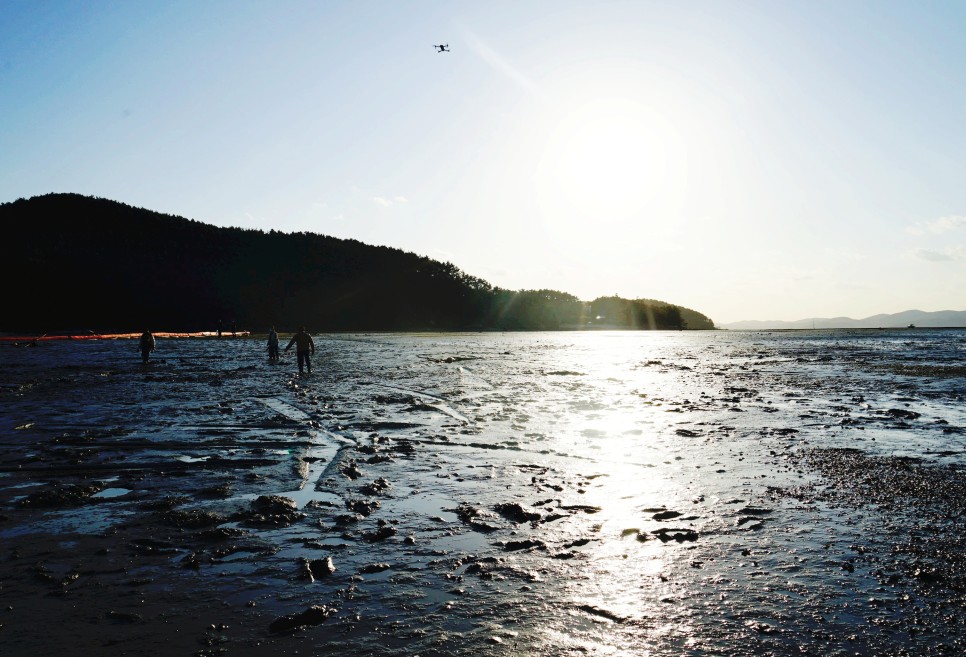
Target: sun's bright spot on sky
{"type": "Point", "coordinates": [611, 160]}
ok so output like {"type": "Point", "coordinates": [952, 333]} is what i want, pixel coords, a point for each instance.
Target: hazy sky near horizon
{"type": "Point", "coordinates": [749, 160]}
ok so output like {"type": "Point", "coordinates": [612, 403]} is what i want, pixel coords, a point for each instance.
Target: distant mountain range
{"type": "Point", "coordinates": [918, 318]}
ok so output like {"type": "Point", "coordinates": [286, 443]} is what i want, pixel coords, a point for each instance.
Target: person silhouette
{"type": "Point", "coordinates": [273, 353]}
{"type": "Point", "coordinates": [304, 348]}
{"type": "Point", "coordinates": [146, 344]}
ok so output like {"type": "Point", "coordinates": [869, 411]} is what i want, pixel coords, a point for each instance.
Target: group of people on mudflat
{"type": "Point", "coordinates": [304, 347]}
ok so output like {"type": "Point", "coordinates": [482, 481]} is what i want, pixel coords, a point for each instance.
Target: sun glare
{"type": "Point", "coordinates": [610, 160]}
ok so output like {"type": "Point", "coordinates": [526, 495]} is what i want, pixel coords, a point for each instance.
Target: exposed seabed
{"type": "Point", "coordinates": [500, 494]}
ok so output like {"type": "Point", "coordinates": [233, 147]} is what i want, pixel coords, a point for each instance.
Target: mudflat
{"type": "Point", "coordinates": [655, 493]}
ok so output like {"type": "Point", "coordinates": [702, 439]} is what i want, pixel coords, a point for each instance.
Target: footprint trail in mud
{"type": "Point", "coordinates": [315, 461]}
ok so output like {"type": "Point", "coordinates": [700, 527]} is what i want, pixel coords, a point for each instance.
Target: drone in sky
{"type": "Point", "coordinates": [442, 48]}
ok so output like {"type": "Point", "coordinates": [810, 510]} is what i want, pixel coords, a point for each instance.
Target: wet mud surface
{"type": "Point", "coordinates": [797, 493]}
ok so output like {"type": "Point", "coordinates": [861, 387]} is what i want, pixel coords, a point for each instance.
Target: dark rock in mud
{"type": "Point", "coordinates": [586, 508]}
{"type": "Point", "coordinates": [513, 546]}
{"type": "Point", "coordinates": [191, 518]}
{"type": "Point", "coordinates": [666, 515]}
{"type": "Point", "coordinates": [59, 496]}
{"type": "Point", "coordinates": [403, 447]}
{"type": "Point", "coordinates": [754, 511]}
{"type": "Point", "coordinates": [221, 534]}
{"type": "Point", "coordinates": [350, 470]}
{"type": "Point", "coordinates": [271, 511]}
{"type": "Point", "coordinates": [466, 512]}
{"type": "Point", "coordinates": [314, 615]}
{"type": "Point", "coordinates": [552, 516]}
{"type": "Point", "coordinates": [744, 520]}
{"type": "Point", "coordinates": [481, 570]}
{"type": "Point", "coordinates": [374, 568]}
{"type": "Point", "coordinates": [347, 519]}
{"type": "Point", "coordinates": [666, 534]}
{"type": "Point", "coordinates": [380, 534]}
{"type": "Point", "coordinates": [318, 568]}
{"type": "Point", "coordinates": [472, 517]}
{"type": "Point", "coordinates": [743, 392]}
{"type": "Point", "coordinates": [376, 487]}
{"type": "Point", "coordinates": [274, 504]}
{"type": "Point", "coordinates": [226, 551]}
{"type": "Point", "coordinates": [902, 414]}
{"type": "Point", "coordinates": [482, 526]}
{"type": "Point", "coordinates": [514, 512]}
{"type": "Point", "coordinates": [319, 504]}
{"type": "Point", "coordinates": [457, 359]}
{"type": "Point", "coordinates": [602, 613]}
{"type": "Point", "coordinates": [364, 508]}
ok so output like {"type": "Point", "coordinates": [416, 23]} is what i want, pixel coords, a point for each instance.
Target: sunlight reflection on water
{"type": "Point", "coordinates": [655, 464]}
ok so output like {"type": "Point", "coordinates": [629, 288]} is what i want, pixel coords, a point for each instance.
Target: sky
{"type": "Point", "coordinates": [749, 160]}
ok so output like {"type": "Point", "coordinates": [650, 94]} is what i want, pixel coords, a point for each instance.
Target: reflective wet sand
{"type": "Point", "coordinates": [502, 494]}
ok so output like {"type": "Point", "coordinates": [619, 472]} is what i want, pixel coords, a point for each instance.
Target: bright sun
{"type": "Point", "coordinates": [610, 160]}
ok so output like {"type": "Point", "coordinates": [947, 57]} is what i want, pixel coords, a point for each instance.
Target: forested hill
{"type": "Point", "coordinates": [72, 262]}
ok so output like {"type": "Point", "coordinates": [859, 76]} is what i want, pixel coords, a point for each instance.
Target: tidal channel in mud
{"type": "Point", "coordinates": [631, 493]}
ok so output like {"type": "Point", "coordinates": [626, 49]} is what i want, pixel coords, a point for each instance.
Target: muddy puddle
{"type": "Point", "coordinates": [726, 493]}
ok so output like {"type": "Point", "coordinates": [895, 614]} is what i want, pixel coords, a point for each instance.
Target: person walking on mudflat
{"type": "Point", "coordinates": [304, 348]}
{"type": "Point", "coordinates": [146, 345]}
{"type": "Point", "coordinates": [273, 345]}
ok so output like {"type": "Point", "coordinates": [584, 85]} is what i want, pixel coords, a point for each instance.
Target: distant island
{"type": "Point", "coordinates": [907, 319]}
{"type": "Point", "coordinates": [79, 263]}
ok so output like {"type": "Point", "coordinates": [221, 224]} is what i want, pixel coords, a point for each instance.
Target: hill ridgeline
{"type": "Point", "coordinates": [918, 318]}
{"type": "Point", "coordinates": [74, 262]}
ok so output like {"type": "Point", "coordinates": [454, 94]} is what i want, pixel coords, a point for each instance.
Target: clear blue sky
{"type": "Point", "coordinates": [750, 160]}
